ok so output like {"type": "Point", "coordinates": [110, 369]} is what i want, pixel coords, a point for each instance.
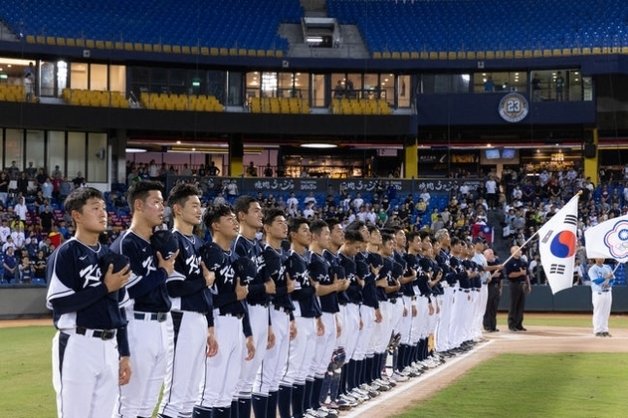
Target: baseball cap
{"type": "Point", "coordinates": [119, 261]}
{"type": "Point", "coordinates": [478, 240]}
{"type": "Point", "coordinates": [245, 269]}
{"type": "Point", "coordinates": [164, 242]}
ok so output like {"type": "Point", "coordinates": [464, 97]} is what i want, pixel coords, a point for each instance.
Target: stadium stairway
{"type": "Point", "coordinates": [501, 246]}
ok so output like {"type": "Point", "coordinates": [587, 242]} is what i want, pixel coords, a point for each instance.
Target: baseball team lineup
{"type": "Point", "coordinates": [266, 316]}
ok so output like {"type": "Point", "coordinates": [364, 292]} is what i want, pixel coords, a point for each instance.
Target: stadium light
{"type": "Point", "coordinates": [318, 145]}
{"type": "Point", "coordinates": [134, 150]}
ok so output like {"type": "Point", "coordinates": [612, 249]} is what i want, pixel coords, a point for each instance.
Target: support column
{"type": "Point", "coordinates": [591, 160]}
{"type": "Point", "coordinates": [411, 159]}
{"type": "Point", "coordinates": [236, 155]}
{"type": "Point", "coordinates": [117, 142]}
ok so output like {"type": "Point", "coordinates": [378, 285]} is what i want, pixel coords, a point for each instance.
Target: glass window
{"type": "Point", "coordinates": [318, 90]}
{"type": "Point", "coordinates": [235, 88]}
{"type": "Point", "coordinates": [177, 81]}
{"type": "Point", "coordinates": [56, 151]}
{"type": "Point", "coordinates": [557, 85]}
{"type": "Point", "coordinates": [35, 148]}
{"type": "Point", "coordinates": [159, 80]}
{"type": "Point", "coordinates": [252, 84]}
{"type": "Point", "coordinates": [117, 78]}
{"type": "Point", "coordinates": [269, 84]}
{"type": "Point", "coordinates": [78, 75]}
{"type": "Point", "coordinates": [500, 82]}
{"type": "Point", "coordinates": [302, 85]}
{"type": "Point", "coordinates": [62, 76]}
{"type": "Point", "coordinates": [574, 86]}
{"type": "Point", "coordinates": [47, 80]}
{"type": "Point", "coordinates": [216, 83]}
{"type": "Point", "coordinates": [404, 88]}
{"type": "Point", "coordinates": [445, 83]}
{"type": "Point", "coordinates": [196, 82]}
{"type": "Point", "coordinates": [98, 77]}
{"type": "Point", "coordinates": [140, 80]}
{"type": "Point", "coordinates": [97, 152]}
{"type": "Point", "coordinates": [371, 86]}
{"type": "Point", "coordinates": [76, 154]}
{"type": "Point", "coordinates": [285, 82]}
{"type": "Point", "coordinates": [14, 148]}
{"type": "Point", "coordinates": [587, 88]}
{"type": "Point", "coordinates": [353, 83]}
{"type": "Point", "coordinates": [1, 147]}
{"type": "Point", "coordinates": [339, 85]}
{"type": "Point", "coordinates": [387, 87]}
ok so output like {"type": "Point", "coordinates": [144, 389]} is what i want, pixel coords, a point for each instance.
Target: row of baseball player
{"type": "Point", "coordinates": [300, 322]}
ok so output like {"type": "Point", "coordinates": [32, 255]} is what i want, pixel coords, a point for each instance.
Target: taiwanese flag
{"type": "Point", "coordinates": [558, 244]}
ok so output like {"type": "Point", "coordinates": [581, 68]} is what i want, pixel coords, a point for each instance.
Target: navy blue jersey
{"type": "Point", "coordinates": [275, 270]}
{"type": "Point", "coordinates": [426, 269]}
{"type": "Point", "coordinates": [412, 263]}
{"type": "Point", "coordinates": [353, 294]}
{"type": "Point", "coordinates": [186, 285]}
{"type": "Point", "coordinates": [385, 271]}
{"type": "Point", "coordinates": [405, 289]}
{"type": "Point", "coordinates": [475, 282]}
{"type": "Point", "coordinates": [458, 265]}
{"type": "Point", "coordinates": [320, 271]}
{"type": "Point", "coordinates": [396, 275]}
{"type": "Point", "coordinates": [369, 292]}
{"type": "Point", "coordinates": [77, 295]}
{"type": "Point", "coordinates": [336, 270]}
{"type": "Point", "coordinates": [147, 284]}
{"type": "Point", "coordinates": [304, 293]}
{"type": "Point", "coordinates": [515, 265]}
{"type": "Point", "coordinates": [244, 247]}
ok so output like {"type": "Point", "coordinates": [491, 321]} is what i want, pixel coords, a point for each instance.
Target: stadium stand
{"type": "Point", "coordinates": [548, 28]}
{"type": "Point", "coordinates": [146, 25]}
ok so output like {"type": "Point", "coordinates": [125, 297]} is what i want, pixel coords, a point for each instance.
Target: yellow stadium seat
{"type": "Point", "coordinates": [223, 51]}
{"type": "Point", "coordinates": [566, 51]}
{"type": "Point", "coordinates": [242, 52]}
{"type": "Point", "coordinates": [108, 44]}
{"type": "Point", "coordinates": [527, 53]}
{"type": "Point", "coordinates": [596, 50]}
{"type": "Point", "coordinates": [414, 55]}
{"type": "Point", "coordinates": [557, 52]}
{"type": "Point", "coordinates": [386, 55]}
{"type": "Point", "coordinates": [547, 52]}
{"type": "Point", "coordinates": [100, 44]}
{"type": "Point", "coordinates": [209, 51]}
{"type": "Point", "coordinates": [279, 53]}
{"type": "Point", "coordinates": [233, 51]}
{"type": "Point", "coordinates": [424, 55]}
{"type": "Point", "coordinates": [433, 55]}
{"type": "Point", "coordinates": [138, 47]}
{"type": "Point", "coordinates": [537, 53]}
{"type": "Point", "coordinates": [261, 52]}
{"type": "Point", "coordinates": [405, 55]}
{"type": "Point", "coordinates": [461, 55]}
{"type": "Point", "coordinates": [509, 54]}
{"type": "Point", "coordinates": [395, 55]}
{"type": "Point", "coordinates": [452, 55]}
{"type": "Point", "coordinates": [148, 47]}
{"type": "Point", "coordinates": [442, 55]}
{"type": "Point", "coordinates": [194, 50]}
{"type": "Point", "coordinates": [185, 50]}
{"type": "Point", "coordinates": [586, 51]}
{"type": "Point", "coordinates": [377, 55]}
{"type": "Point", "coordinates": [80, 42]}
{"type": "Point", "coordinates": [204, 50]}
{"type": "Point", "coordinates": [624, 49]}
{"type": "Point", "coordinates": [118, 45]}
{"type": "Point", "coordinates": [157, 48]}
{"type": "Point", "coordinates": [40, 39]}
{"type": "Point", "coordinates": [481, 55]}
{"type": "Point", "coordinates": [60, 41]}
{"type": "Point", "coordinates": [50, 40]}
{"type": "Point", "coordinates": [89, 43]}
{"type": "Point", "coordinates": [471, 55]}
{"type": "Point", "coordinates": [176, 49]}
{"type": "Point", "coordinates": [30, 39]}
{"type": "Point", "coordinates": [167, 49]}
{"type": "Point", "coordinates": [251, 52]}
{"type": "Point", "coordinates": [490, 55]}
{"type": "Point", "coordinates": [518, 53]}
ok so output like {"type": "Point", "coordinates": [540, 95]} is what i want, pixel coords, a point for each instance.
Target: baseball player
{"type": "Point", "coordinates": [320, 271]}
{"type": "Point", "coordinates": [281, 307]}
{"type": "Point", "coordinates": [150, 325]}
{"type": "Point", "coordinates": [90, 351]}
{"type": "Point", "coordinates": [192, 316]}
{"type": "Point", "coordinates": [249, 214]}
{"type": "Point", "coordinates": [443, 257]}
{"type": "Point", "coordinates": [307, 315]}
{"type": "Point", "coordinates": [223, 370]}
{"type": "Point", "coordinates": [602, 277]}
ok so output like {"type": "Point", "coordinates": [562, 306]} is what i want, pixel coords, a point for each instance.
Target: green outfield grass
{"type": "Point", "coordinates": [556, 385]}
{"type": "Point", "coordinates": [589, 385]}
{"type": "Point", "coordinates": [561, 320]}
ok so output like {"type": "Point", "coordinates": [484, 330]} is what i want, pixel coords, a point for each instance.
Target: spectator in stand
{"type": "Point", "coordinates": [308, 212]}
{"type": "Point", "coordinates": [47, 188]}
{"type": "Point", "coordinates": [79, 180]}
{"type": "Point", "coordinates": [57, 173]}
{"type": "Point", "coordinates": [438, 223]}
{"type": "Point", "coordinates": [425, 195]}
{"type": "Point", "coordinates": [212, 170]}
{"type": "Point", "coordinates": [31, 246]}
{"type": "Point", "coordinates": [251, 170]}
{"type": "Point", "coordinates": [20, 208]}
{"type": "Point", "coordinates": [268, 171]}
{"type": "Point", "coordinates": [5, 231]}
{"type": "Point", "coordinates": [358, 202]}
{"type": "Point", "coordinates": [10, 265]}
{"type": "Point", "coordinates": [153, 171]}
{"type": "Point", "coordinates": [8, 244]}
{"type": "Point", "coordinates": [18, 236]}
{"type": "Point", "coordinates": [31, 171]}
{"type": "Point", "coordinates": [420, 207]}
{"type": "Point", "coordinates": [4, 187]}
{"type": "Point", "coordinates": [26, 270]}
{"type": "Point", "coordinates": [292, 201]}
{"type": "Point", "coordinates": [39, 264]}
{"type": "Point", "coordinates": [491, 192]}
{"type": "Point", "coordinates": [46, 219]}
{"type": "Point", "coordinates": [14, 172]}
{"type": "Point", "coordinates": [310, 198]}
{"type": "Point", "coordinates": [22, 184]}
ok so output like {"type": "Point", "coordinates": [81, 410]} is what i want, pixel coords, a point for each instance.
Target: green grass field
{"type": "Point", "coordinates": [585, 385]}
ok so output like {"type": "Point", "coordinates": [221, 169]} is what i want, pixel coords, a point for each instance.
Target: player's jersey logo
{"type": "Point", "coordinates": [193, 264]}
{"type": "Point", "coordinates": [90, 275]}
{"type": "Point", "coordinates": [148, 265]}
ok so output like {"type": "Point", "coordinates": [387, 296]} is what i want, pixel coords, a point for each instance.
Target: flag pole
{"type": "Point", "coordinates": [521, 246]}
{"type": "Point", "coordinates": [535, 234]}
{"type": "Point", "coordinates": [616, 267]}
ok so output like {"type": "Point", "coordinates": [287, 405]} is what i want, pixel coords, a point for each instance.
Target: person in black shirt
{"type": "Point", "coordinates": [494, 292]}
{"type": "Point", "coordinates": [517, 273]}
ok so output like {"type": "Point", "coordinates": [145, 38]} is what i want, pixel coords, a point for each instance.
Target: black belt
{"type": "Point", "coordinates": [264, 304]}
{"type": "Point", "coordinates": [103, 334]}
{"type": "Point", "coordinates": [603, 291]}
{"type": "Point", "coordinates": [151, 316]}
{"type": "Point", "coordinates": [392, 300]}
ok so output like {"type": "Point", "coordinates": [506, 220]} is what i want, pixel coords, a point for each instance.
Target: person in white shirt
{"type": "Point", "coordinates": [292, 201]}
{"type": "Point", "coordinates": [20, 209]}
{"type": "Point", "coordinates": [18, 237]}
{"type": "Point", "coordinates": [491, 192]}
{"type": "Point", "coordinates": [308, 212]}
{"type": "Point", "coordinates": [309, 198]}
{"type": "Point", "coordinates": [602, 278]}
{"type": "Point", "coordinates": [5, 231]}
{"type": "Point", "coordinates": [426, 197]}
{"type": "Point", "coordinates": [358, 202]}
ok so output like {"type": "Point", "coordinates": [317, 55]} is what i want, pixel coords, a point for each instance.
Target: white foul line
{"type": "Point", "coordinates": [357, 412]}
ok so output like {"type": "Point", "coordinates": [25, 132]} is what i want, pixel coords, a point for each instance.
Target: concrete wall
{"type": "Point", "coordinates": [22, 302]}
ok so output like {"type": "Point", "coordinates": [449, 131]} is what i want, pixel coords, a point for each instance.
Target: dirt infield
{"type": "Point", "coordinates": [16, 323]}
{"type": "Point", "coordinates": [536, 340]}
